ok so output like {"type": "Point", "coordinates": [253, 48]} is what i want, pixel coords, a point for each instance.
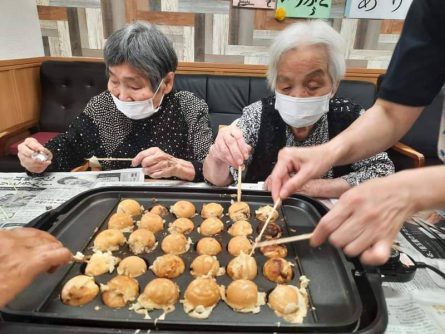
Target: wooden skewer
{"type": "Point", "coordinates": [258, 238]}
{"type": "Point", "coordinates": [284, 240]}
{"type": "Point", "coordinates": [238, 192]}
{"type": "Point", "coordinates": [110, 159]}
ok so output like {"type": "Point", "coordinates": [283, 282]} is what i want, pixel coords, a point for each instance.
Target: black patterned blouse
{"type": "Point", "coordinates": [179, 128]}
{"type": "Point", "coordinates": [251, 120]}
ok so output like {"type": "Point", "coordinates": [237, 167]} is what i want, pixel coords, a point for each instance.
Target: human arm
{"type": "Point", "coordinates": [233, 146]}
{"type": "Point", "coordinates": [368, 217]}
{"type": "Point", "coordinates": [373, 132]}
{"type": "Point", "coordinates": [159, 164]}
{"type": "Point", "coordinates": [26, 253]}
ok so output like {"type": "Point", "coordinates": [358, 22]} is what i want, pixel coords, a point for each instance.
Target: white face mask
{"type": "Point", "coordinates": [138, 109]}
{"type": "Point", "coordinates": [299, 112]}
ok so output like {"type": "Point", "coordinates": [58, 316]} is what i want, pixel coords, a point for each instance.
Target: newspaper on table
{"type": "Point", "coordinates": [23, 197]}
{"type": "Point", "coordinates": [418, 306]}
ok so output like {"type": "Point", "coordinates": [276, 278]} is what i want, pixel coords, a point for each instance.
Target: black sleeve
{"type": "Point", "coordinates": [70, 149]}
{"type": "Point", "coordinates": [416, 72]}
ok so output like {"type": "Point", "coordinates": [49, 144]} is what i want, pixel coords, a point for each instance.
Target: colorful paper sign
{"type": "Point", "coordinates": [306, 8]}
{"type": "Point", "coordinates": [377, 9]}
{"type": "Point", "coordinates": [264, 4]}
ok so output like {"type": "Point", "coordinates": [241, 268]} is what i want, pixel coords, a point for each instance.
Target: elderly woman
{"type": "Point", "coordinates": [139, 116]}
{"type": "Point", "coordinates": [305, 67]}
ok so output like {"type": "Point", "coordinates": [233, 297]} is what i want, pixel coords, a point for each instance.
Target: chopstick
{"type": "Point", "coordinates": [238, 191]}
{"type": "Point", "coordinates": [258, 238]}
{"type": "Point", "coordinates": [111, 159]}
{"type": "Point", "coordinates": [284, 240]}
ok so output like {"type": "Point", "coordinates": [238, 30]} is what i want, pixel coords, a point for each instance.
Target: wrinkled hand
{"type": "Point", "coordinates": [156, 163]}
{"type": "Point", "coordinates": [26, 149]}
{"type": "Point", "coordinates": [230, 147]}
{"type": "Point", "coordinates": [312, 187]}
{"type": "Point", "coordinates": [366, 220]}
{"type": "Point", "coordinates": [24, 254]}
{"type": "Point", "coordinates": [295, 166]}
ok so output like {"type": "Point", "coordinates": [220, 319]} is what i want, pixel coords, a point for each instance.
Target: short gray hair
{"type": "Point", "coordinates": [314, 32]}
{"type": "Point", "coordinates": [144, 47]}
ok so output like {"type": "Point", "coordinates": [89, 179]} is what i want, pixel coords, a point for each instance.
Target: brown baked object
{"type": "Point", "coordinates": [241, 227]}
{"type": "Point", "coordinates": [141, 241]}
{"type": "Point", "coordinates": [168, 266]}
{"type": "Point", "coordinates": [183, 209]}
{"type": "Point", "coordinates": [239, 211]}
{"type": "Point", "coordinates": [130, 206]}
{"type": "Point", "coordinates": [208, 246]}
{"type": "Point", "coordinates": [211, 226]}
{"type": "Point", "coordinates": [175, 243]}
{"type": "Point", "coordinates": [278, 270]}
{"type": "Point", "coordinates": [132, 266]}
{"type": "Point", "coordinates": [119, 291]}
{"type": "Point", "coordinates": [121, 221]}
{"type": "Point", "coordinates": [151, 222]}
{"type": "Point", "coordinates": [160, 293]}
{"type": "Point", "coordinates": [159, 210]}
{"type": "Point", "coordinates": [242, 267]}
{"type": "Point", "coordinates": [239, 244]}
{"type": "Point", "coordinates": [109, 240]}
{"type": "Point", "coordinates": [79, 290]}
{"type": "Point", "coordinates": [181, 225]}
{"type": "Point", "coordinates": [272, 231]}
{"type": "Point", "coordinates": [212, 210]}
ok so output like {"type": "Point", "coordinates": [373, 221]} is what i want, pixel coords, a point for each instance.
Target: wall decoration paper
{"type": "Point", "coordinates": [265, 4]}
{"type": "Point", "coordinates": [203, 30]}
{"type": "Point", "coordinates": [377, 9]}
{"type": "Point", "coordinates": [306, 8]}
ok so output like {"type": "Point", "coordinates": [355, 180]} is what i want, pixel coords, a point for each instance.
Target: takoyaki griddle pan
{"type": "Point", "coordinates": [335, 304]}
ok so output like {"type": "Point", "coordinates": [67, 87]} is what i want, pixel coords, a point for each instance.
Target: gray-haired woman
{"type": "Point", "coordinates": [306, 65]}
{"type": "Point", "coordinates": [139, 116]}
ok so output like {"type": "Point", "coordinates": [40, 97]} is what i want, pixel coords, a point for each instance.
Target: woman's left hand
{"type": "Point", "coordinates": [156, 163]}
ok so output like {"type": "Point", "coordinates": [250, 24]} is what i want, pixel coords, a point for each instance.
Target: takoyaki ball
{"type": "Point", "coordinates": [132, 266]}
{"type": "Point", "coordinates": [168, 266]}
{"type": "Point", "coordinates": [121, 221]}
{"type": "Point", "coordinates": [101, 263]}
{"type": "Point", "coordinates": [130, 206]}
{"type": "Point", "coordinates": [79, 290]}
{"type": "Point", "coordinates": [208, 246]}
{"type": "Point", "coordinates": [272, 231]}
{"type": "Point", "coordinates": [212, 210]}
{"type": "Point", "coordinates": [211, 226]}
{"type": "Point", "coordinates": [206, 265]}
{"type": "Point", "coordinates": [151, 222]}
{"type": "Point", "coordinates": [239, 244]}
{"type": "Point", "coordinates": [274, 251]}
{"type": "Point", "coordinates": [289, 302]}
{"type": "Point", "coordinates": [183, 209]}
{"type": "Point", "coordinates": [109, 240]}
{"type": "Point", "coordinates": [142, 241]}
{"type": "Point", "coordinates": [242, 267]}
{"type": "Point", "coordinates": [241, 227]}
{"type": "Point", "coordinates": [239, 211]}
{"type": "Point", "coordinates": [175, 243]}
{"type": "Point", "coordinates": [242, 296]}
{"type": "Point", "coordinates": [263, 213]}
{"type": "Point", "coordinates": [278, 270]}
{"type": "Point", "coordinates": [160, 293]}
{"type": "Point", "coordinates": [181, 225]}
{"type": "Point", "coordinates": [119, 291]}
{"type": "Point", "coordinates": [201, 296]}
{"type": "Point", "coordinates": [159, 210]}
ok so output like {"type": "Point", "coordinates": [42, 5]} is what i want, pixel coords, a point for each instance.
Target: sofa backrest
{"type": "Point", "coordinates": [66, 89]}
{"type": "Point", "coordinates": [68, 86]}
